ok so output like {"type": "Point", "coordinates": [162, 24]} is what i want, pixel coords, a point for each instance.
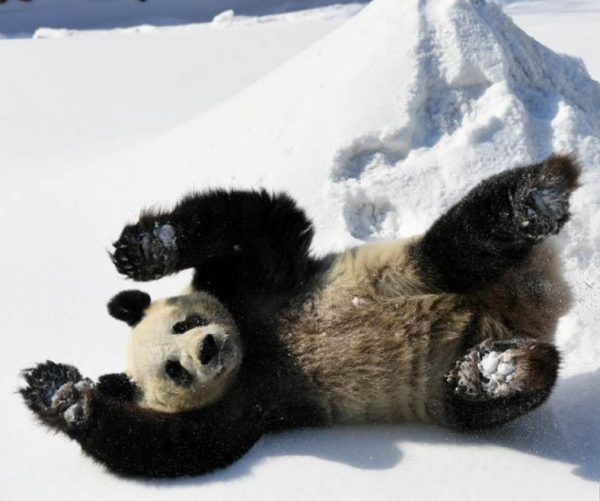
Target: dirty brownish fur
{"type": "Point", "coordinates": [383, 359]}
{"type": "Point", "coordinates": [529, 300]}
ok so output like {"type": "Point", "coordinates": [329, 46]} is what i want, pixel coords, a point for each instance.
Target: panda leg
{"type": "Point", "coordinates": [495, 226]}
{"type": "Point", "coordinates": [268, 227]}
{"type": "Point", "coordinates": [130, 440]}
{"type": "Point", "coordinates": [498, 381]}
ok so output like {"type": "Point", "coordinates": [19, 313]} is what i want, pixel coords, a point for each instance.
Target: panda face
{"type": "Point", "coordinates": [184, 353]}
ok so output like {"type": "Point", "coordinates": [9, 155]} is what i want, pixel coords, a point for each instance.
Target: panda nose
{"type": "Point", "coordinates": [209, 349]}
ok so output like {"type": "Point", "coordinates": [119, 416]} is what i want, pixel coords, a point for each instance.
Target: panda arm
{"type": "Point", "coordinates": [496, 225]}
{"type": "Point", "coordinates": [266, 229]}
{"type": "Point", "coordinates": [128, 439]}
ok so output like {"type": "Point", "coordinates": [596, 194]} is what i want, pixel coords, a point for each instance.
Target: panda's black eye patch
{"type": "Point", "coordinates": [190, 322]}
{"type": "Point", "coordinates": [178, 374]}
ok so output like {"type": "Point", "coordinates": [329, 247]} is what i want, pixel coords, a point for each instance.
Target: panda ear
{"type": "Point", "coordinates": [129, 306]}
{"type": "Point", "coordinates": [118, 386]}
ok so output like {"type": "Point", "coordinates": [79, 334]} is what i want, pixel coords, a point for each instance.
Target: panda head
{"type": "Point", "coordinates": [183, 352]}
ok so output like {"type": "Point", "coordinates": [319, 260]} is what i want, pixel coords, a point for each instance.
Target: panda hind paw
{"type": "Point", "coordinates": [146, 251]}
{"type": "Point", "coordinates": [497, 381]}
{"type": "Point", "coordinates": [543, 201]}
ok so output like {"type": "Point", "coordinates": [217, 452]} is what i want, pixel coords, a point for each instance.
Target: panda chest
{"type": "Point", "coordinates": [367, 359]}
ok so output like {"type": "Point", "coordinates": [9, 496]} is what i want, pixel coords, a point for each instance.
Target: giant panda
{"type": "Point", "coordinates": [454, 327]}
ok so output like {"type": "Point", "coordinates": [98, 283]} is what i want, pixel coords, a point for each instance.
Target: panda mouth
{"type": "Point", "coordinates": [227, 355]}
{"type": "Point", "coordinates": [227, 348]}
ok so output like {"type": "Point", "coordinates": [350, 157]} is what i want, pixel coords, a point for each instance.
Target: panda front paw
{"type": "Point", "coordinates": [58, 395]}
{"type": "Point", "coordinates": [542, 200]}
{"type": "Point", "coordinates": [146, 251]}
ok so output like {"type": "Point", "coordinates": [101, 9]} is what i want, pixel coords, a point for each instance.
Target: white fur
{"type": "Point", "coordinates": [152, 344]}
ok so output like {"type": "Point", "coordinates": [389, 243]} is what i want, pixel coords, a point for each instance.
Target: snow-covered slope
{"type": "Point", "coordinates": [62, 96]}
{"type": "Point", "coordinates": [376, 130]}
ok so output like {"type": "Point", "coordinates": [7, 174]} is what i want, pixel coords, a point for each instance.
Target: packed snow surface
{"type": "Point", "coordinates": [376, 130]}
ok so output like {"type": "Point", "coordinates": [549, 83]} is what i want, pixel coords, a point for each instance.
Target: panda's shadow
{"type": "Point", "coordinates": [566, 430]}
{"type": "Point", "coordinates": [366, 448]}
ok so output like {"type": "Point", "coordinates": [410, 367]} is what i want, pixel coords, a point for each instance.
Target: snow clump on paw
{"type": "Point", "coordinates": [496, 370]}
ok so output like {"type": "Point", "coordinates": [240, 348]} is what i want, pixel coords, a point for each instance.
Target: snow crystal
{"type": "Point", "coordinates": [166, 234]}
{"type": "Point", "coordinates": [358, 301]}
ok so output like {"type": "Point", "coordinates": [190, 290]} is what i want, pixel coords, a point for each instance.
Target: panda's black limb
{"type": "Point", "coordinates": [133, 441]}
{"type": "Point", "coordinates": [497, 224]}
{"type": "Point", "coordinates": [498, 381]}
{"type": "Point", "coordinates": [58, 395]}
{"type": "Point", "coordinates": [259, 237]}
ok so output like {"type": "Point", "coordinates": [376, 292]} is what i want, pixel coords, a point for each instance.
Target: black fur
{"type": "Point", "coordinates": [496, 225]}
{"type": "Point", "coordinates": [50, 391]}
{"type": "Point", "coordinates": [129, 306]}
{"type": "Point", "coordinates": [136, 442]}
{"type": "Point", "coordinates": [117, 386]}
{"type": "Point", "coordinates": [267, 233]}
{"type": "Point", "coordinates": [44, 381]}
{"type": "Point", "coordinates": [251, 250]}
{"type": "Point", "coordinates": [132, 441]}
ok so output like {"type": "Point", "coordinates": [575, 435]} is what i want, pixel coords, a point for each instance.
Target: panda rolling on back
{"type": "Point", "coordinates": [454, 327]}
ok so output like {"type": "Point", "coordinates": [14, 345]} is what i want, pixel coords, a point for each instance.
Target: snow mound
{"type": "Point", "coordinates": [479, 95]}
{"type": "Point", "coordinates": [391, 119]}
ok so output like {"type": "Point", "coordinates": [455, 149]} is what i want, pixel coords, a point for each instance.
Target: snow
{"type": "Point", "coordinates": [489, 363]}
{"type": "Point", "coordinates": [376, 129]}
{"type": "Point", "coordinates": [497, 369]}
{"type": "Point", "coordinates": [358, 301]}
{"type": "Point", "coordinates": [138, 83]}
{"type": "Point", "coordinates": [225, 17]}
{"type": "Point", "coordinates": [21, 18]}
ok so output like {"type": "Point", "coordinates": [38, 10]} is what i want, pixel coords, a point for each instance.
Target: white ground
{"type": "Point", "coordinates": [95, 125]}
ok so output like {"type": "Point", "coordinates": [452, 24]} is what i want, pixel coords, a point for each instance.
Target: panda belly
{"type": "Point", "coordinates": [378, 359]}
